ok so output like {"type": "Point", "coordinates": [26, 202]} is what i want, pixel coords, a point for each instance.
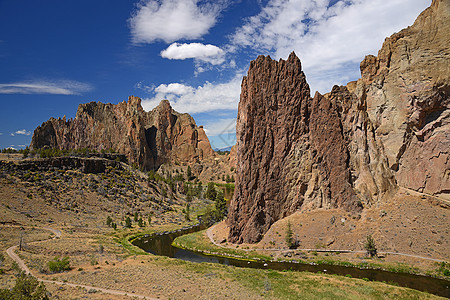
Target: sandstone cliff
{"type": "Point", "coordinates": [148, 139]}
{"type": "Point", "coordinates": [352, 146]}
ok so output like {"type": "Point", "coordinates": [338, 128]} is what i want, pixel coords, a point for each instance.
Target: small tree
{"type": "Point", "coordinates": [136, 217]}
{"type": "Point", "coordinates": [108, 221]}
{"type": "Point", "coordinates": [198, 190]}
{"type": "Point", "coordinates": [189, 195]}
{"type": "Point", "coordinates": [289, 235]}
{"type": "Point", "coordinates": [150, 218]}
{"type": "Point", "coordinates": [128, 222]}
{"type": "Point", "coordinates": [221, 205]}
{"type": "Point", "coordinates": [151, 175]}
{"type": "Point", "coordinates": [189, 173]}
{"type": "Point", "coordinates": [370, 246]}
{"type": "Point", "coordinates": [187, 212]}
{"type": "Point", "coordinates": [141, 222]}
{"type": "Point", "coordinates": [211, 191]}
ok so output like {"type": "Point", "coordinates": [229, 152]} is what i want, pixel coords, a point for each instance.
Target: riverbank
{"type": "Point", "coordinates": [212, 242]}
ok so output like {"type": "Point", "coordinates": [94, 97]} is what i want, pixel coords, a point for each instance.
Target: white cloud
{"type": "Point", "coordinates": [172, 20]}
{"type": "Point", "coordinates": [330, 41]}
{"type": "Point", "coordinates": [21, 132]}
{"type": "Point", "coordinates": [1, 133]}
{"type": "Point", "coordinates": [58, 87]}
{"type": "Point", "coordinates": [220, 127]}
{"type": "Point", "coordinates": [208, 97]}
{"type": "Point", "coordinates": [205, 53]}
{"type": "Point", "coordinates": [174, 88]}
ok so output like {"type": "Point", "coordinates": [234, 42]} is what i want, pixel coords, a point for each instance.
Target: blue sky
{"type": "Point", "coordinates": [57, 54]}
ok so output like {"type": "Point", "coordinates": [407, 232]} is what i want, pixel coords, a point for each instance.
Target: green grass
{"type": "Point", "coordinates": [273, 284]}
{"type": "Point", "coordinates": [197, 242]}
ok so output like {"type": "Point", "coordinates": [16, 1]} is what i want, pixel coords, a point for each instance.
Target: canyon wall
{"type": "Point", "coordinates": [352, 146]}
{"type": "Point", "coordinates": [147, 139]}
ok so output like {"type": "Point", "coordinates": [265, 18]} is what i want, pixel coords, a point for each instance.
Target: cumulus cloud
{"type": "Point", "coordinates": [172, 20]}
{"type": "Point", "coordinates": [208, 97]}
{"type": "Point", "coordinates": [330, 40]}
{"type": "Point", "coordinates": [177, 89]}
{"type": "Point", "coordinates": [58, 87]}
{"type": "Point", "coordinates": [226, 126]}
{"type": "Point", "coordinates": [205, 53]}
{"type": "Point", "coordinates": [21, 132]}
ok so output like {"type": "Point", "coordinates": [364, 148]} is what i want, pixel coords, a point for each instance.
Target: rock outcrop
{"type": "Point", "coordinates": [352, 146]}
{"type": "Point", "coordinates": [406, 89]}
{"type": "Point", "coordinates": [148, 139]}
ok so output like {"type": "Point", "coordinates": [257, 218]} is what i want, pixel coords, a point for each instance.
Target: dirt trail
{"type": "Point", "coordinates": [211, 238]}
{"type": "Point", "coordinates": [11, 252]}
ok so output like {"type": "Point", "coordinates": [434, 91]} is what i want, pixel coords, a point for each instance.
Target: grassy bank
{"type": "Point", "coordinates": [199, 242]}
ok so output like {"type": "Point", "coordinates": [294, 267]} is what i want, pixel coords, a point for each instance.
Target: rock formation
{"type": "Point", "coordinates": [351, 146]}
{"type": "Point", "coordinates": [148, 139]}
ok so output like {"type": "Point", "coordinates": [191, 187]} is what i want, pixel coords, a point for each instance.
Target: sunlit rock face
{"type": "Point", "coordinates": [352, 146]}
{"type": "Point", "coordinates": [148, 139]}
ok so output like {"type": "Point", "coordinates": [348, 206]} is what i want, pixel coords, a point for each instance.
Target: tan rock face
{"type": "Point", "coordinates": [354, 145]}
{"type": "Point", "coordinates": [407, 90]}
{"type": "Point", "coordinates": [148, 139]}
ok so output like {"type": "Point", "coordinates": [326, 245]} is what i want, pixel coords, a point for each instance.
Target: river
{"type": "Point", "coordinates": [161, 244]}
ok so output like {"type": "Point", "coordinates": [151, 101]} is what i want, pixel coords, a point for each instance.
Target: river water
{"type": "Point", "coordinates": [161, 244]}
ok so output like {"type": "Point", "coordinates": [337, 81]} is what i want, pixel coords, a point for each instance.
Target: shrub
{"type": "Point", "coordinates": [59, 265]}
{"type": "Point", "coordinates": [26, 287]}
{"type": "Point", "coordinates": [189, 173]}
{"type": "Point", "coordinates": [370, 246]}
{"type": "Point", "coordinates": [128, 222]}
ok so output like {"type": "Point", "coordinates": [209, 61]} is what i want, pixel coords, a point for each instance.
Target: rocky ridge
{"type": "Point", "coordinates": [351, 147]}
{"type": "Point", "coordinates": [147, 139]}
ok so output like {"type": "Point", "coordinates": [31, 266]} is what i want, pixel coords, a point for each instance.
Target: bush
{"type": "Point", "coordinates": [59, 265]}
{"type": "Point", "coordinates": [26, 287]}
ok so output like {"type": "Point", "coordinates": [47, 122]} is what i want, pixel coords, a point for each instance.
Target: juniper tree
{"type": "Point", "coordinates": [370, 246]}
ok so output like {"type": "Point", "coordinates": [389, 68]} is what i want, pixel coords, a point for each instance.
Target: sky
{"type": "Point", "coordinates": [56, 54]}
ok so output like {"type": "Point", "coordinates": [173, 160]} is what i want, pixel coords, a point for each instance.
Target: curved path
{"type": "Point", "coordinates": [211, 238]}
{"type": "Point", "coordinates": [11, 252]}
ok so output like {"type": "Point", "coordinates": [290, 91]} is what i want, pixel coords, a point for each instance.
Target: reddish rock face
{"type": "Point", "coordinates": [291, 150]}
{"type": "Point", "coordinates": [352, 146]}
{"type": "Point", "coordinates": [271, 120]}
{"type": "Point", "coordinates": [148, 139]}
